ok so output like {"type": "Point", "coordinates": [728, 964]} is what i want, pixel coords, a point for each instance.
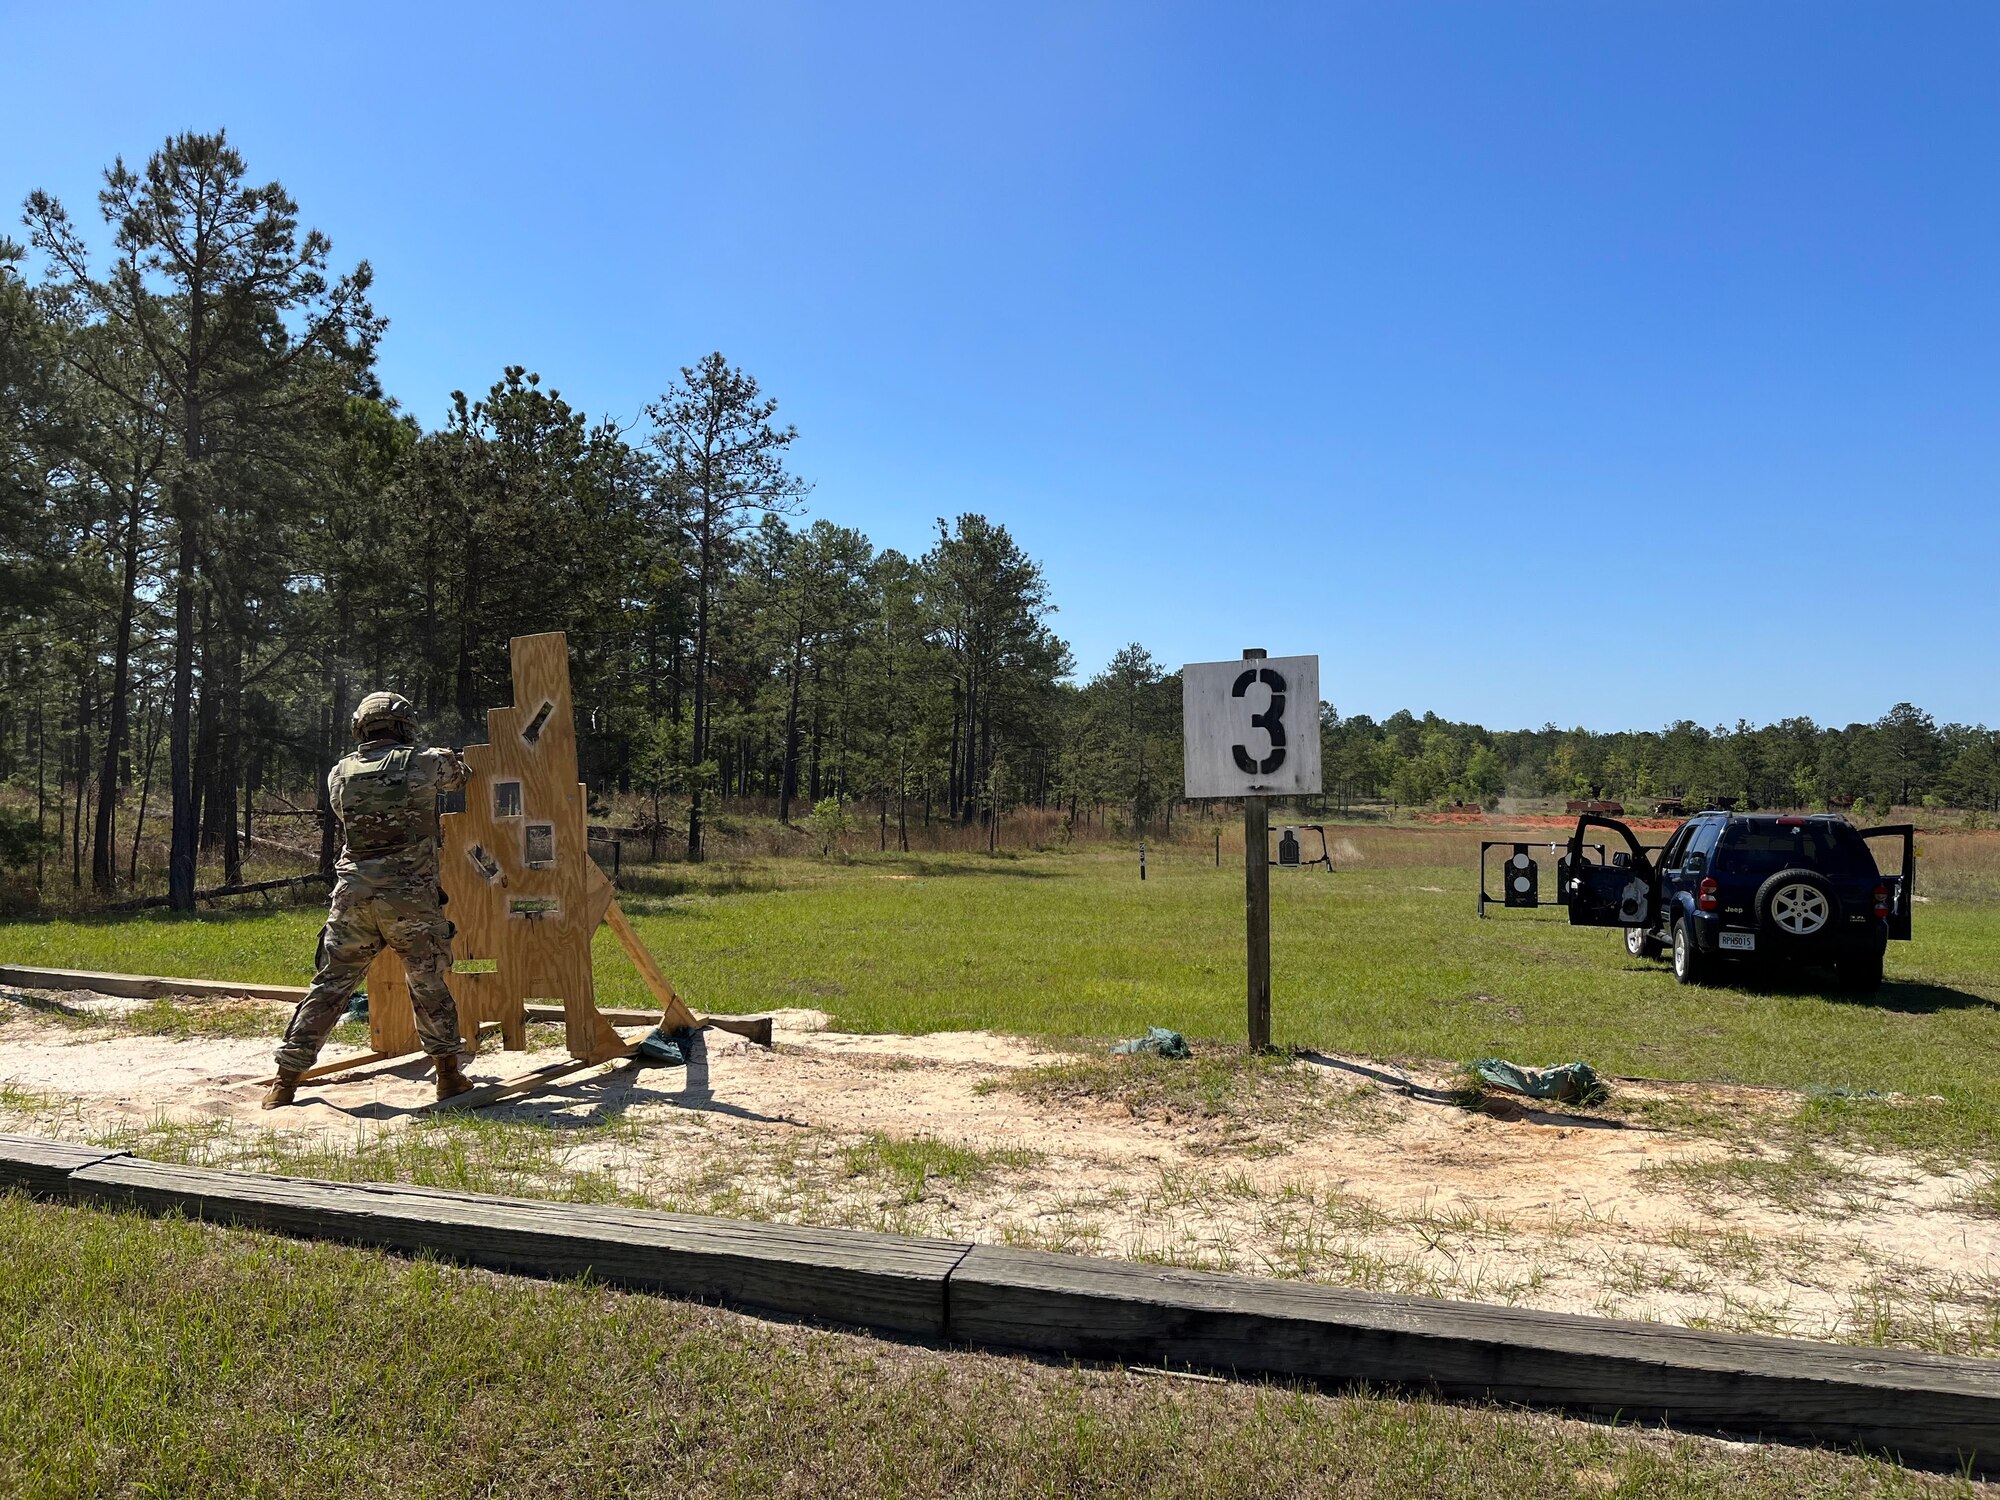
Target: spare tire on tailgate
{"type": "Point", "coordinates": [1797, 904]}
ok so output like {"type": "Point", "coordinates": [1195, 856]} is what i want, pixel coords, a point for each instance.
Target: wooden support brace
{"type": "Point", "coordinates": [675, 1014]}
{"type": "Point", "coordinates": [370, 1059]}
{"type": "Point", "coordinates": [343, 1064]}
{"type": "Point", "coordinates": [599, 895]}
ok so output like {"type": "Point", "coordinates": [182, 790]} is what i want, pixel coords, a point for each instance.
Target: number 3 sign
{"type": "Point", "coordinates": [1251, 727]}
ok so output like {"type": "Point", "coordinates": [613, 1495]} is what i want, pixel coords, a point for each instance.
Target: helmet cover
{"type": "Point", "coordinates": [381, 714]}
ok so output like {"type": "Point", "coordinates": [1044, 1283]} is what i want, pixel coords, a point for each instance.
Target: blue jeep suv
{"type": "Point", "coordinates": [1749, 888]}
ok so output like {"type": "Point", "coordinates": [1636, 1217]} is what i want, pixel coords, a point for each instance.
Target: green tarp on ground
{"type": "Point", "coordinates": [1566, 1083]}
{"type": "Point", "coordinates": [1160, 1040]}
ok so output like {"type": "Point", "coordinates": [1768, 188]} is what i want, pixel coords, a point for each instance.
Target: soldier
{"type": "Point", "coordinates": [385, 891]}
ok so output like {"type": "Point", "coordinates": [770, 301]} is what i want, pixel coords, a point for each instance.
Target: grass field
{"type": "Point", "coordinates": [1385, 960]}
{"type": "Point", "coordinates": [334, 1369]}
{"type": "Point", "coordinates": [163, 1358]}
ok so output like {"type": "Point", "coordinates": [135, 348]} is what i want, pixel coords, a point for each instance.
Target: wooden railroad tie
{"type": "Point", "coordinates": [1932, 1410]}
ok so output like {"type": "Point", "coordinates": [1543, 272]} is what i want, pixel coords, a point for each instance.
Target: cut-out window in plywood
{"type": "Point", "coordinates": [485, 863]}
{"type": "Point", "coordinates": [475, 966]}
{"type": "Point", "coordinates": [534, 728]}
{"type": "Point", "coordinates": [506, 799]}
{"type": "Point", "coordinates": [538, 845]}
{"type": "Point", "coordinates": [534, 907]}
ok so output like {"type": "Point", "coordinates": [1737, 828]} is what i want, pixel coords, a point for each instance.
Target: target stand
{"type": "Point", "coordinates": [1521, 874]}
{"type": "Point", "coordinates": [1302, 846]}
{"type": "Point", "coordinates": [525, 897]}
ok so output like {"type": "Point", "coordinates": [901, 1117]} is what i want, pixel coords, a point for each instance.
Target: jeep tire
{"type": "Point", "coordinates": [1691, 965]}
{"type": "Point", "coordinates": [1640, 943]}
{"type": "Point", "coordinates": [1797, 906]}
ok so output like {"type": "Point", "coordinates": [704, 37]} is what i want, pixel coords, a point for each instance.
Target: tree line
{"type": "Point", "coordinates": [1904, 758]}
{"type": "Point", "coordinates": [217, 531]}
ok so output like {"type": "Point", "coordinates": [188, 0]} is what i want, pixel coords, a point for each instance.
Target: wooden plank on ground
{"type": "Point", "coordinates": [142, 986]}
{"type": "Point", "coordinates": [1926, 1409]}
{"type": "Point", "coordinates": [753, 1028]}
{"type": "Point", "coordinates": [1923, 1409]}
{"type": "Point", "coordinates": [43, 1167]}
{"type": "Point", "coordinates": [616, 1017]}
{"type": "Point", "coordinates": [879, 1281]}
{"type": "Point", "coordinates": [151, 986]}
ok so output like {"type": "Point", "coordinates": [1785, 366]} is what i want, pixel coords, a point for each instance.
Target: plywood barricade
{"type": "Point", "coordinates": [520, 885]}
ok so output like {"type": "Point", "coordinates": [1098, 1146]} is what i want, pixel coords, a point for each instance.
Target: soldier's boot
{"type": "Point", "coordinates": [451, 1077]}
{"type": "Point", "coordinates": [284, 1089]}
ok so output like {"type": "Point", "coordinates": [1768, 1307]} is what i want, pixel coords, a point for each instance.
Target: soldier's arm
{"type": "Point", "coordinates": [453, 772]}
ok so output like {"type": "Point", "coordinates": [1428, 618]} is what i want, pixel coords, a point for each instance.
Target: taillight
{"type": "Point", "coordinates": [1881, 901]}
{"type": "Point", "coordinates": [1706, 896]}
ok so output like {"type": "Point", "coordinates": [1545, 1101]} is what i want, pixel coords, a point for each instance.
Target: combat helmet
{"type": "Point", "coordinates": [385, 715]}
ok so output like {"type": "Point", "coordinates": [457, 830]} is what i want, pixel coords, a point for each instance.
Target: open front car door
{"type": "Point", "coordinates": [1622, 893]}
{"type": "Point", "coordinates": [1903, 886]}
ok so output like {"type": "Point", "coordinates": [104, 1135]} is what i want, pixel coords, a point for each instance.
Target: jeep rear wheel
{"type": "Point", "coordinates": [1797, 904]}
{"type": "Point", "coordinates": [1691, 965]}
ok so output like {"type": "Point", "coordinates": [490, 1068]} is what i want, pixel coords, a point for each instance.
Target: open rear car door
{"type": "Point", "coordinates": [1622, 893]}
{"type": "Point", "coordinates": [1903, 886]}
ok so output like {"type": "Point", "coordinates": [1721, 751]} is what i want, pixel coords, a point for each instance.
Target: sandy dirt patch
{"type": "Point", "coordinates": [1369, 1175]}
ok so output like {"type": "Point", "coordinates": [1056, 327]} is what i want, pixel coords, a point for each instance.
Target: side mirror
{"type": "Point", "coordinates": [1622, 860]}
{"type": "Point", "coordinates": [1697, 863]}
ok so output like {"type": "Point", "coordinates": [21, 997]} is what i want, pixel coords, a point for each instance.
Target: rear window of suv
{"type": "Point", "coordinates": [1760, 847]}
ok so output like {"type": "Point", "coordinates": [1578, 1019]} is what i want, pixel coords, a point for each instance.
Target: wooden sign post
{"type": "Point", "coordinates": [1257, 917]}
{"type": "Point", "coordinates": [1251, 729]}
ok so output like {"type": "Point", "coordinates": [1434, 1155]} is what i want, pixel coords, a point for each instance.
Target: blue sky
{"type": "Point", "coordinates": [1597, 363]}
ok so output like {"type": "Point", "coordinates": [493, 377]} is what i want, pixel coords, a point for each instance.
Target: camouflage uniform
{"type": "Point", "coordinates": [385, 892]}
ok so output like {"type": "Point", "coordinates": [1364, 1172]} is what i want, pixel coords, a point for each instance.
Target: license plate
{"type": "Point", "coordinates": [1741, 942]}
